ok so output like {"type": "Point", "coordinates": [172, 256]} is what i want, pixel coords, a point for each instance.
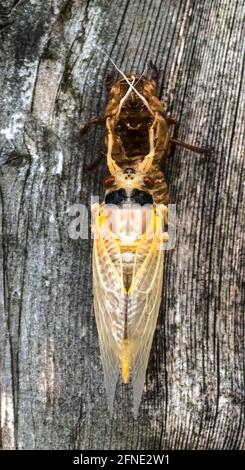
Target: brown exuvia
{"type": "Point", "coordinates": [137, 124]}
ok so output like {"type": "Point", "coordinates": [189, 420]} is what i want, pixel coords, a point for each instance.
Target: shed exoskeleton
{"type": "Point", "coordinates": [136, 124]}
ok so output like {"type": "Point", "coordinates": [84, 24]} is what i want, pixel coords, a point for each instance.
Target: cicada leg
{"type": "Point", "coordinates": [95, 120]}
{"type": "Point", "coordinates": [173, 122]}
{"type": "Point", "coordinates": [195, 149]}
{"type": "Point", "coordinates": [154, 73]}
{"type": "Point", "coordinates": [177, 142]}
{"type": "Point", "coordinates": [95, 163]}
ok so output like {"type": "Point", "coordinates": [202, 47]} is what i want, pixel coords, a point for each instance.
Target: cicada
{"type": "Point", "coordinates": [128, 229]}
{"type": "Point", "coordinates": [128, 255]}
{"type": "Point", "coordinates": [136, 124]}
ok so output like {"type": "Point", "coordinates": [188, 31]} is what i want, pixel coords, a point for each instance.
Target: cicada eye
{"type": "Point", "coordinates": [116, 197]}
{"type": "Point", "coordinates": [108, 181]}
{"type": "Point", "coordinates": [149, 181]}
{"type": "Point", "coordinates": [141, 197]}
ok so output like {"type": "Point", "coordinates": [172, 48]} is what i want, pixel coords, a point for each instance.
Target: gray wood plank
{"type": "Point", "coordinates": [52, 76]}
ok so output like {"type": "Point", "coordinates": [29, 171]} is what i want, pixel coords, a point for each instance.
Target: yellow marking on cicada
{"type": "Point", "coordinates": [146, 163]}
{"type": "Point", "coordinates": [126, 247]}
{"type": "Point", "coordinates": [125, 361]}
{"type": "Point", "coordinates": [102, 218]}
{"type": "Point", "coordinates": [112, 166]}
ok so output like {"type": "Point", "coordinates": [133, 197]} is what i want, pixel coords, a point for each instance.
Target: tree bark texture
{"type": "Point", "coordinates": [53, 79]}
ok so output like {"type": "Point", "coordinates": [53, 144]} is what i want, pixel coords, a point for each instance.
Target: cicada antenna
{"type": "Point", "coordinates": [131, 85]}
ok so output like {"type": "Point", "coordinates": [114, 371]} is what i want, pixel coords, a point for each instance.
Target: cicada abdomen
{"type": "Point", "coordinates": [127, 277]}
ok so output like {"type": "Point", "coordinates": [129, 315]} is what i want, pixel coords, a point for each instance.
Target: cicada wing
{"type": "Point", "coordinates": [144, 304]}
{"type": "Point", "coordinates": [109, 306]}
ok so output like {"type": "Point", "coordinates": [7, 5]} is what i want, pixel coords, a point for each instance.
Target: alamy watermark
{"type": "Point", "coordinates": [128, 222]}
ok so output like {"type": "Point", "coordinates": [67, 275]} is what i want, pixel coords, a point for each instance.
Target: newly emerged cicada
{"type": "Point", "coordinates": [128, 255]}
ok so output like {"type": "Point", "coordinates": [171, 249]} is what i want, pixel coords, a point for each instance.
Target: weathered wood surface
{"type": "Point", "coordinates": [52, 80]}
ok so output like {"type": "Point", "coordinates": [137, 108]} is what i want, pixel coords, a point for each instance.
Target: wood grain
{"type": "Point", "coordinates": [53, 78]}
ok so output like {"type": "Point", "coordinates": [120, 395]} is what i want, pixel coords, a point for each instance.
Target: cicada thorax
{"type": "Point", "coordinates": [132, 123]}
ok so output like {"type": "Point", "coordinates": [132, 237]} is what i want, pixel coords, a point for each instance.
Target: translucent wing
{"type": "Point", "coordinates": [109, 305]}
{"type": "Point", "coordinates": [143, 308]}
{"type": "Point", "coordinates": [140, 306]}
